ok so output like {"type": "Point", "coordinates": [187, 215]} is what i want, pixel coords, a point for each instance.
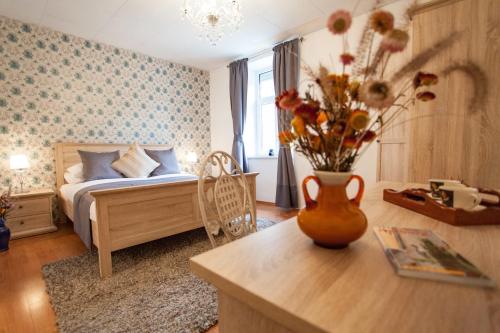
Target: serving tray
{"type": "Point", "coordinates": [419, 200]}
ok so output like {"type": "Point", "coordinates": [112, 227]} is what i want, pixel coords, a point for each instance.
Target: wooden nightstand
{"type": "Point", "coordinates": [32, 213]}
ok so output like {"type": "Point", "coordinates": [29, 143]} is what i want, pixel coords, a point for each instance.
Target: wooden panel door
{"type": "Point", "coordinates": [393, 140]}
{"type": "Point", "coordinates": [451, 139]}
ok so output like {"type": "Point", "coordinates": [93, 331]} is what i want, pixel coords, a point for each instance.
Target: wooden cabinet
{"type": "Point", "coordinates": [32, 213]}
{"type": "Point", "coordinates": [448, 137]}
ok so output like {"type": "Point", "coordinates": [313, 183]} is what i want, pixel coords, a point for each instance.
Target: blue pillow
{"type": "Point", "coordinates": [167, 159]}
{"type": "Point", "coordinates": [98, 165]}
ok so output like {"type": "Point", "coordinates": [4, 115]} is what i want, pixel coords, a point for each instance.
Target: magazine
{"type": "Point", "coordinates": [422, 254]}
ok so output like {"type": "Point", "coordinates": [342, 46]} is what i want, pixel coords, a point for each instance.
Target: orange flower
{"type": "Point", "coordinates": [359, 119]}
{"type": "Point", "coordinates": [288, 100]}
{"type": "Point", "coordinates": [339, 22]}
{"type": "Point", "coordinates": [298, 125]}
{"type": "Point", "coordinates": [426, 96]}
{"type": "Point", "coordinates": [382, 21]}
{"type": "Point", "coordinates": [286, 137]}
{"type": "Point", "coordinates": [322, 117]}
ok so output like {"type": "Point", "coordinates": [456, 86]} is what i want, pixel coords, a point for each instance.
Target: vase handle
{"type": "Point", "coordinates": [361, 189]}
{"type": "Point", "coordinates": [310, 203]}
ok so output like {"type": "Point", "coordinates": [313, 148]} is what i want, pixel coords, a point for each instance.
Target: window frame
{"type": "Point", "coordinates": [259, 102]}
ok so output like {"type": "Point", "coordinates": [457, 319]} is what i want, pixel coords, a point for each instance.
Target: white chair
{"type": "Point", "coordinates": [224, 198]}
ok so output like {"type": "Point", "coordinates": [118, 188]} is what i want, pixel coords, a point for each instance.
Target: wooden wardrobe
{"type": "Point", "coordinates": [447, 138]}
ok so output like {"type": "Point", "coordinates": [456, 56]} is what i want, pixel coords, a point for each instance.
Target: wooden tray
{"type": "Point", "coordinates": [419, 201]}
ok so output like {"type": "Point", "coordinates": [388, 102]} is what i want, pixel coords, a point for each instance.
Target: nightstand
{"type": "Point", "coordinates": [32, 213]}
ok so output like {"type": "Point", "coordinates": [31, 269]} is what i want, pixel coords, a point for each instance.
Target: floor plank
{"type": "Point", "coordinates": [24, 304]}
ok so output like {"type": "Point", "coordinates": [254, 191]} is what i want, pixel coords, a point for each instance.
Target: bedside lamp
{"type": "Point", "coordinates": [19, 163]}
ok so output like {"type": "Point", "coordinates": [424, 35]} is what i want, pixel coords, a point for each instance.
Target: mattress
{"type": "Point", "coordinates": [68, 191]}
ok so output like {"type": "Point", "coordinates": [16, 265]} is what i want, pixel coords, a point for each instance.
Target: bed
{"type": "Point", "coordinates": [130, 215]}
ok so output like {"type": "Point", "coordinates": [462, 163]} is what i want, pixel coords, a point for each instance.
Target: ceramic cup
{"type": "Point", "coordinates": [460, 197]}
{"type": "Point", "coordinates": [435, 184]}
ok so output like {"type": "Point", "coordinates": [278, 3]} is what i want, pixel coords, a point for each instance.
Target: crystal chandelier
{"type": "Point", "coordinates": [213, 17]}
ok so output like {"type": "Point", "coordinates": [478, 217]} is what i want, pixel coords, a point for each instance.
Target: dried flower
{"type": "Point", "coordinates": [425, 96]}
{"type": "Point", "coordinates": [307, 111]}
{"type": "Point", "coordinates": [322, 117]}
{"type": "Point", "coordinates": [6, 204]}
{"type": "Point", "coordinates": [288, 100]}
{"type": "Point", "coordinates": [354, 89]}
{"type": "Point", "coordinates": [479, 79]}
{"type": "Point", "coordinates": [346, 59]}
{"type": "Point", "coordinates": [339, 22]}
{"type": "Point", "coordinates": [359, 119]}
{"type": "Point", "coordinates": [424, 79]}
{"type": "Point", "coordinates": [425, 56]}
{"type": "Point", "coordinates": [351, 143]}
{"type": "Point", "coordinates": [369, 136]}
{"type": "Point", "coordinates": [317, 145]}
{"type": "Point", "coordinates": [376, 94]}
{"type": "Point", "coordinates": [286, 137]}
{"type": "Point", "coordinates": [298, 125]}
{"type": "Point", "coordinates": [382, 21]}
{"type": "Point", "coordinates": [395, 41]}
{"type": "Point", "coordinates": [338, 128]}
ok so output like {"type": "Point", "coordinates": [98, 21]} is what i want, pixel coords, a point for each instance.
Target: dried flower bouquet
{"type": "Point", "coordinates": [332, 131]}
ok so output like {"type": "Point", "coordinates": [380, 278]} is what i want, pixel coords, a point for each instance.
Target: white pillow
{"type": "Point", "coordinates": [135, 163]}
{"type": "Point", "coordinates": [74, 174]}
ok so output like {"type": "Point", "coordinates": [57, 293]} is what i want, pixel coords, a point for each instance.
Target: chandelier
{"type": "Point", "coordinates": [213, 17]}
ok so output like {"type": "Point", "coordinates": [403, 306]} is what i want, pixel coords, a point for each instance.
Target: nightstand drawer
{"type": "Point", "coordinates": [21, 224]}
{"type": "Point", "coordinates": [26, 207]}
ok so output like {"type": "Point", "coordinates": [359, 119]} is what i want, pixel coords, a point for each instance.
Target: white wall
{"type": "Point", "coordinates": [221, 124]}
{"type": "Point", "coordinates": [267, 167]}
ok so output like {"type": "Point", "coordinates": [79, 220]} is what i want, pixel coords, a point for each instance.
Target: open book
{"type": "Point", "coordinates": [422, 254]}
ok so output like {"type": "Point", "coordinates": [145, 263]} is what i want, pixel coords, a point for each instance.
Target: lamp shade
{"type": "Point", "coordinates": [191, 157]}
{"type": "Point", "coordinates": [19, 162]}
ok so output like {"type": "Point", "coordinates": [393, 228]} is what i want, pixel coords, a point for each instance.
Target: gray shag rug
{"type": "Point", "coordinates": [151, 289]}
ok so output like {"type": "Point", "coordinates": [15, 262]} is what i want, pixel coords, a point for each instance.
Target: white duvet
{"type": "Point", "coordinates": [68, 191]}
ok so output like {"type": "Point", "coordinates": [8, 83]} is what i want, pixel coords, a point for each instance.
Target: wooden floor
{"type": "Point", "coordinates": [24, 304]}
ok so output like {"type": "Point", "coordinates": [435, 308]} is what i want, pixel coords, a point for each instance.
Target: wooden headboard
{"type": "Point", "coordinates": [66, 154]}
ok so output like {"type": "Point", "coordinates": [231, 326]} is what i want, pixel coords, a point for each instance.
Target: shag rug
{"type": "Point", "coordinates": [151, 289]}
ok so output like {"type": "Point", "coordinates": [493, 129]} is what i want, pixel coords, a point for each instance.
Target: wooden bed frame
{"type": "Point", "coordinates": [136, 214]}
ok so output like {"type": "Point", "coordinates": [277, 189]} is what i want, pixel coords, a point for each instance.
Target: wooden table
{"type": "Point", "coordinates": [277, 281]}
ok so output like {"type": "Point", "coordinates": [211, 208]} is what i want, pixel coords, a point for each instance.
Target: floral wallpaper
{"type": "Point", "coordinates": [57, 87]}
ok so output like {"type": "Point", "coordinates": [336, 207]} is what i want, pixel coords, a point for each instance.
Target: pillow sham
{"type": "Point", "coordinates": [98, 165]}
{"type": "Point", "coordinates": [167, 159]}
{"type": "Point", "coordinates": [135, 163]}
{"type": "Point", "coordinates": [74, 174]}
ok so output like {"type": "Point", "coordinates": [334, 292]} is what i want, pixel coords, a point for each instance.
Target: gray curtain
{"type": "Point", "coordinates": [238, 84]}
{"type": "Point", "coordinates": [286, 76]}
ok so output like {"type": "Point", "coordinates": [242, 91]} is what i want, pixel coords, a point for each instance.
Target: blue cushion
{"type": "Point", "coordinates": [167, 159]}
{"type": "Point", "coordinates": [98, 165]}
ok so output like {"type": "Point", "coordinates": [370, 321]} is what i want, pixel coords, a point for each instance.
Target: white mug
{"type": "Point", "coordinates": [435, 184]}
{"type": "Point", "coordinates": [460, 197]}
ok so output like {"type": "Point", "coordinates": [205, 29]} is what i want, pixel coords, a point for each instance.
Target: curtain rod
{"type": "Point", "coordinates": [258, 54]}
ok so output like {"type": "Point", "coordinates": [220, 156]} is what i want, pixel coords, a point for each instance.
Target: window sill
{"type": "Point", "coordinates": [262, 157]}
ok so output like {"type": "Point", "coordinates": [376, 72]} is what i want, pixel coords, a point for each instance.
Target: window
{"type": "Point", "coordinates": [261, 130]}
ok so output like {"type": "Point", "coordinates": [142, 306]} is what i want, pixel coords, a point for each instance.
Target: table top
{"type": "Point", "coordinates": [282, 274]}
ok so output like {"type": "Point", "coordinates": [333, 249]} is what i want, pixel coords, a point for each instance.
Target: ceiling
{"type": "Point", "coordinates": [155, 27]}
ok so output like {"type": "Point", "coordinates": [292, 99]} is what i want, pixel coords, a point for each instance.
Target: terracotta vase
{"type": "Point", "coordinates": [332, 220]}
